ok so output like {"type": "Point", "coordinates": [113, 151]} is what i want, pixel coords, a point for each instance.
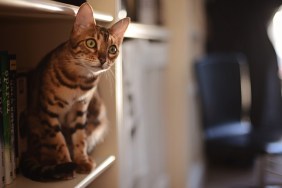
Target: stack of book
{"type": "Point", "coordinates": [8, 118]}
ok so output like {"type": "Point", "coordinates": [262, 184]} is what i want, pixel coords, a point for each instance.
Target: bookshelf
{"type": "Point", "coordinates": [30, 29]}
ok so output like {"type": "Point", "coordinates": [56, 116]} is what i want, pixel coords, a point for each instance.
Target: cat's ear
{"type": "Point", "coordinates": [119, 28]}
{"type": "Point", "coordinates": [84, 17]}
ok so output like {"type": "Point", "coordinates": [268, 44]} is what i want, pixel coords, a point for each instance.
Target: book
{"type": "Point", "coordinates": [1, 167]}
{"type": "Point", "coordinates": [21, 108]}
{"type": "Point", "coordinates": [13, 106]}
{"type": "Point", "coordinates": [6, 125]}
{"type": "Point", "coordinates": [1, 139]}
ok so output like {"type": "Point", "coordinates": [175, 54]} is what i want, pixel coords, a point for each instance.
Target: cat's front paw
{"type": "Point", "coordinates": [85, 166]}
{"type": "Point", "coordinates": [64, 171]}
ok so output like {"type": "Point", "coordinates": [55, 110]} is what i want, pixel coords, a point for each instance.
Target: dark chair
{"type": "Point", "coordinates": [227, 138]}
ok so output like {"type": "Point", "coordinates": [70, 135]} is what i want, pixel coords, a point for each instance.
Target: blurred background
{"type": "Point", "coordinates": [169, 127]}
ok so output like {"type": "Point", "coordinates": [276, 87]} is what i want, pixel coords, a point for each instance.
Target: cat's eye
{"type": "Point", "coordinates": [91, 43]}
{"type": "Point", "coordinates": [113, 49]}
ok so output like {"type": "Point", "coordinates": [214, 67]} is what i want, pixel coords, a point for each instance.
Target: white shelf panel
{"type": "Point", "coordinates": [44, 8]}
{"type": "Point", "coordinates": [80, 181]}
{"type": "Point", "coordinates": [142, 31]}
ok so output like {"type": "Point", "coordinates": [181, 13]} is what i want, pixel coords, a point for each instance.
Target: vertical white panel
{"type": "Point", "coordinates": [142, 137]}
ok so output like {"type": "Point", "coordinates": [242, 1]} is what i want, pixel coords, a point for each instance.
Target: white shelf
{"type": "Point", "coordinates": [142, 31]}
{"type": "Point", "coordinates": [44, 8]}
{"type": "Point", "coordinates": [80, 181]}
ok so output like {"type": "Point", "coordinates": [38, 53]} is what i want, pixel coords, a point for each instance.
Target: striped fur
{"type": "Point", "coordinates": [66, 117]}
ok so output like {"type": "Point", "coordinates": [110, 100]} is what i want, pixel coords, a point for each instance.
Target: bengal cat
{"type": "Point", "coordinates": [66, 117]}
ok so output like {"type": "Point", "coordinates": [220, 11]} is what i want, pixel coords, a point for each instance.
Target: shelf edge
{"type": "Point", "coordinates": [93, 175]}
{"type": "Point", "coordinates": [143, 31]}
{"type": "Point", "coordinates": [28, 8]}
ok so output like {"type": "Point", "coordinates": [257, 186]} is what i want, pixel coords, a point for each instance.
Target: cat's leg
{"type": "Point", "coordinates": [78, 116]}
{"type": "Point", "coordinates": [97, 122]}
{"type": "Point", "coordinates": [47, 156]}
{"type": "Point", "coordinates": [53, 147]}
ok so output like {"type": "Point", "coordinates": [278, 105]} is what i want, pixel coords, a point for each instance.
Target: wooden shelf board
{"type": "Point", "coordinates": [44, 8]}
{"type": "Point", "coordinates": [80, 181]}
{"type": "Point", "coordinates": [143, 31]}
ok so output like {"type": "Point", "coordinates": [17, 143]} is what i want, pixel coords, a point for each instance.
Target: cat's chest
{"type": "Point", "coordinates": [69, 87]}
{"type": "Point", "coordinates": [75, 95]}
{"type": "Point", "coordinates": [75, 99]}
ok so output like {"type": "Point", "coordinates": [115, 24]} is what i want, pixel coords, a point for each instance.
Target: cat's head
{"type": "Point", "coordinates": [94, 47]}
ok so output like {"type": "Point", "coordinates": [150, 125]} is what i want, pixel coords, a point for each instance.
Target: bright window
{"type": "Point", "coordinates": [275, 34]}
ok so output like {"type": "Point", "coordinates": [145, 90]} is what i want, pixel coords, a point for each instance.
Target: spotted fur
{"type": "Point", "coordinates": [66, 117]}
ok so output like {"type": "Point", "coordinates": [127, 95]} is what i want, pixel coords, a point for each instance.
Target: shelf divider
{"type": "Point", "coordinates": [93, 175]}
{"type": "Point", "coordinates": [143, 31]}
{"type": "Point", "coordinates": [80, 181]}
{"type": "Point", "coordinates": [44, 8]}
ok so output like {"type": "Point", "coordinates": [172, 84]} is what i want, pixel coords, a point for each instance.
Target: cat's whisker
{"type": "Point", "coordinates": [110, 81]}
{"type": "Point", "coordinates": [112, 73]}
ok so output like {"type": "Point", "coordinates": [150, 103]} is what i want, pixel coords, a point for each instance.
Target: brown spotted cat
{"type": "Point", "coordinates": [66, 117]}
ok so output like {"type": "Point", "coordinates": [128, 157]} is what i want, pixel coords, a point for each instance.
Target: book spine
{"type": "Point", "coordinates": [6, 116]}
{"type": "Point", "coordinates": [13, 115]}
{"type": "Point", "coordinates": [1, 138]}
{"type": "Point", "coordinates": [21, 108]}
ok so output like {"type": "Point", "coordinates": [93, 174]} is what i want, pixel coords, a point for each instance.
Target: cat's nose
{"type": "Point", "coordinates": [102, 59]}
